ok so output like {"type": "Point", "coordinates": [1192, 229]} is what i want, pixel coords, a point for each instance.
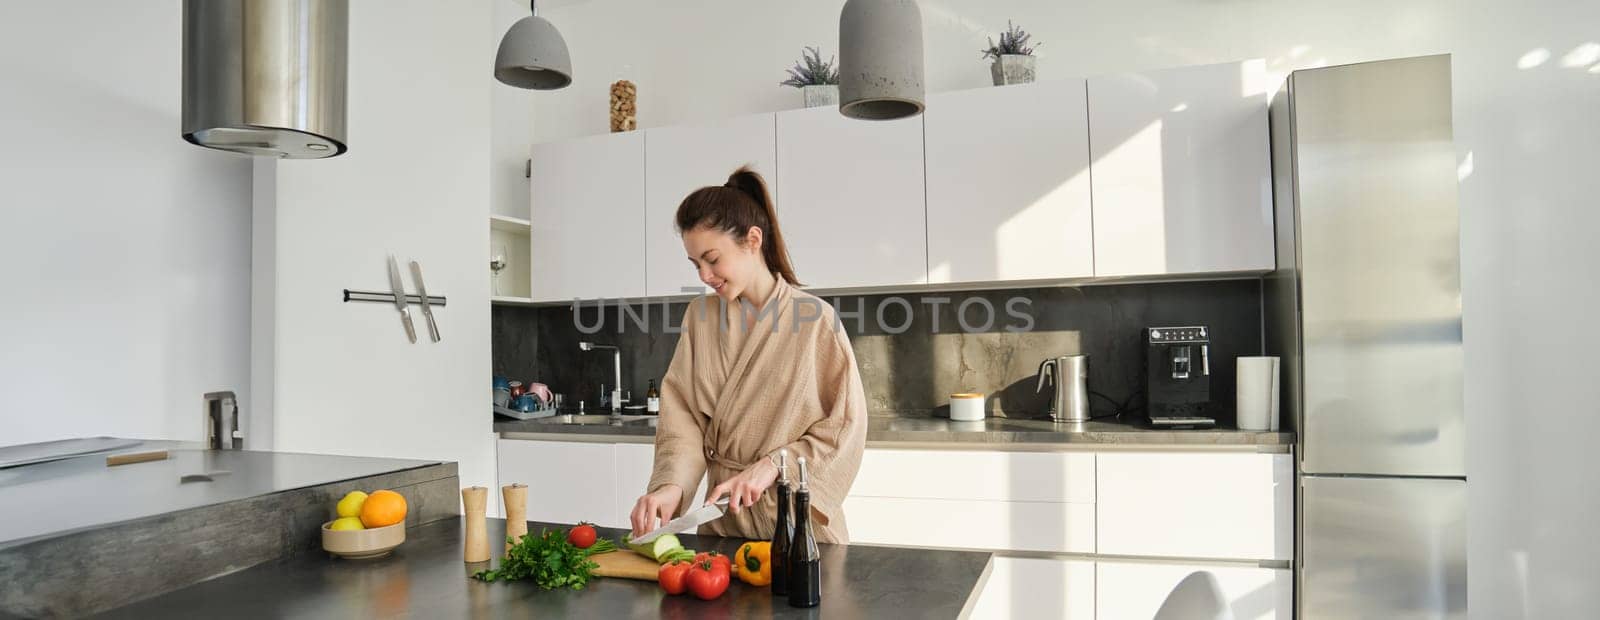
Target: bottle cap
{"type": "Point", "coordinates": [804, 477]}
{"type": "Point", "coordinates": [783, 465]}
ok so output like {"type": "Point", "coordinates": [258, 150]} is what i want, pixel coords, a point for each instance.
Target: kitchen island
{"type": "Point", "coordinates": [425, 578]}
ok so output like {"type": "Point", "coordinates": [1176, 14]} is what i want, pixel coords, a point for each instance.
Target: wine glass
{"type": "Point", "coordinates": [497, 263]}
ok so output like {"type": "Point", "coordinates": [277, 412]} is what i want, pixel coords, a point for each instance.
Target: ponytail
{"type": "Point", "coordinates": [736, 206]}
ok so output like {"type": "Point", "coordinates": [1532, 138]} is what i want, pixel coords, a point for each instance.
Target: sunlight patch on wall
{"type": "Point", "coordinates": [1465, 169]}
{"type": "Point", "coordinates": [1533, 58]}
{"type": "Point", "coordinates": [1581, 56]}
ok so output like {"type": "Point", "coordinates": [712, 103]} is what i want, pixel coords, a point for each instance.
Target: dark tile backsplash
{"type": "Point", "coordinates": [909, 365]}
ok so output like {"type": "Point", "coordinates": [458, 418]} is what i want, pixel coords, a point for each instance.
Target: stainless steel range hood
{"type": "Point", "coordinates": [266, 77]}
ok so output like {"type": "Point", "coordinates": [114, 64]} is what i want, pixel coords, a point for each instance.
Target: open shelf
{"type": "Point", "coordinates": [509, 224]}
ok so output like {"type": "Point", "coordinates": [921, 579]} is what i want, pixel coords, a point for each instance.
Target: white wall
{"type": "Point", "coordinates": [415, 184]}
{"type": "Point", "coordinates": [1527, 95]}
{"type": "Point", "coordinates": [124, 251]}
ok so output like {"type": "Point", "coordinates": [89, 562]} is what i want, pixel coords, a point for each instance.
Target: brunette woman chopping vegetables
{"type": "Point", "coordinates": [760, 366]}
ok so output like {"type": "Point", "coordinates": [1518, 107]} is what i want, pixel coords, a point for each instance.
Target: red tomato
{"type": "Point", "coordinates": [582, 536]}
{"type": "Point", "coordinates": [671, 576]}
{"type": "Point", "coordinates": [707, 580]}
{"type": "Point", "coordinates": [716, 558]}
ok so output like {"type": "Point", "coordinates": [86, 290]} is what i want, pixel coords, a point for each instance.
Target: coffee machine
{"type": "Point", "coordinates": [1178, 376]}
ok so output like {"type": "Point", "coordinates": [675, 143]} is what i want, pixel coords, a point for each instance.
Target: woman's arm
{"type": "Point", "coordinates": [833, 445]}
{"type": "Point", "coordinates": [680, 438]}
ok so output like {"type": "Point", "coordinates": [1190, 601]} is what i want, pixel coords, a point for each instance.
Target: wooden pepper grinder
{"type": "Point", "coordinates": [516, 497]}
{"type": "Point", "coordinates": [475, 500]}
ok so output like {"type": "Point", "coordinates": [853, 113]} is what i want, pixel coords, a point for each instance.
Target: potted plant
{"type": "Point", "coordinates": [818, 81]}
{"type": "Point", "coordinates": [1013, 56]}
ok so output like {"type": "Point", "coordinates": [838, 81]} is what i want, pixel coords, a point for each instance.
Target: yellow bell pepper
{"type": "Point", "coordinates": [753, 563]}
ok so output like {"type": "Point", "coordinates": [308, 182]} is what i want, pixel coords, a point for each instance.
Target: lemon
{"type": "Point", "coordinates": [346, 523]}
{"type": "Point", "coordinates": [350, 506]}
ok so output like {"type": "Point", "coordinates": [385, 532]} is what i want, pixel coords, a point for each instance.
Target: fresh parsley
{"type": "Point", "coordinates": [549, 559]}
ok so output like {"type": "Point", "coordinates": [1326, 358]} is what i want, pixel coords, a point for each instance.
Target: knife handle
{"type": "Point", "coordinates": [411, 332]}
{"type": "Point", "coordinates": [433, 328]}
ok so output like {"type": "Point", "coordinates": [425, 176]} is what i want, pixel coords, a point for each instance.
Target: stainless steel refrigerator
{"type": "Point", "coordinates": [1365, 310]}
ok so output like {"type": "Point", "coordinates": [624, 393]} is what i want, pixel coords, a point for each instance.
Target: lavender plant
{"type": "Point", "coordinates": [1013, 41]}
{"type": "Point", "coordinates": [811, 71]}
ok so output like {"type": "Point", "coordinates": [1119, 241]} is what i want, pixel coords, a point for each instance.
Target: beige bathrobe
{"type": "Point", "coordinates": [734, 395]}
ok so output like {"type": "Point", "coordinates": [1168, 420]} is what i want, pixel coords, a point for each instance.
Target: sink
{"type": "Point", "coordinates": [595, 420]}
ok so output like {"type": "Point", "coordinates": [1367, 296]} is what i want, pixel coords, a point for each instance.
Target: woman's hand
{"type": "Point", "coordinates": [745, 489]}
{"type": "Point", "coordinates": [654, 509]}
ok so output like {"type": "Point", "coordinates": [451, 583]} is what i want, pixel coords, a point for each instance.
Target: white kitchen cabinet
{"type": "Point", "coordinates": [977, 475]}
{"type": "Point", "coordinates": [1038, 588]}
{"type": "Point", "coordinates": [1182, 177]}
{"type": "Point", "coordinates": [1137, 589]}
{"type": "Point", "coordinates": [1008, 183]}
{"type": "Point", "coordinates": [1195, 505]}
{"type": "Point", "coordinates": [681, 159]}
{"type": "Point", "coordinates": [587, 226]}
{"type": "Point", "coordinates": [567, 482]}
{"type": "Point", "coordinates": [974, 524]}
{"type": "Point", "coordinates": [852, 199]}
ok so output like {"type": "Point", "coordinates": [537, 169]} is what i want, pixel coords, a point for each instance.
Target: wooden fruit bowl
{"type": "Point", "coordinates": [363, 544]}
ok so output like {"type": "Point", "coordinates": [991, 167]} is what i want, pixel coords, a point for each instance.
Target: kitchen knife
{"type": "Point", "coordinates": [427, 308]}
{"type": "Point", "coordinates": [400, 299]}
{"type": "Point", "coordinates": [689, 521]}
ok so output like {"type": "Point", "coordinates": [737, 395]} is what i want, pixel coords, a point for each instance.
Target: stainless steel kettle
{"type": "Point", "coordinates": [1070, 374]}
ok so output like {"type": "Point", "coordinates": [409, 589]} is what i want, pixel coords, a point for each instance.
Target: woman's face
{"type": "Point", "coordinates": [723, 263]}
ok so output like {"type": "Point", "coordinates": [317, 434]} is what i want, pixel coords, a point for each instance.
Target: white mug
{"type": "Point", "coordinates": [1257, 393]}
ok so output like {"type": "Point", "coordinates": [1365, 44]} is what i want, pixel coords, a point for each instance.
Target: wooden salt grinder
{"type": "Point", "coordinates": [475, 500]}
{"type": "Point", "coordinates": [516, 498]}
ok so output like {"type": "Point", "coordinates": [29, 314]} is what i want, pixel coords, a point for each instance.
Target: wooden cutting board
{"type": "Point", "coordinates": [626, 565]}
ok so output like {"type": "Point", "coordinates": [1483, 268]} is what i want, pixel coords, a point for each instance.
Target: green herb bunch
{"type": "Point", "coordinates": [549, 559]}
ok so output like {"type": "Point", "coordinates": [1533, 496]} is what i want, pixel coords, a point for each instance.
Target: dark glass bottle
{"type": "Point", "coordinates": [805, 561]}
{"type": "Point", "coordinates": [783, 532]}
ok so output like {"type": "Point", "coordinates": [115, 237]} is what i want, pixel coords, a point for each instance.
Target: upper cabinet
{"type": "Point", "coordinates": [851, 201]}
{"type": "Point", "coordinates": [679, 160]}
{"type": "Point", "coordinates": [1008, 184]}
{"type": "Point", "coordinates": [587, 233]}
{"type": "Point", "coordinates": [1182, 179]}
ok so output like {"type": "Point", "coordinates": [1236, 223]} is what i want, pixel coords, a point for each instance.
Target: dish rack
{"type": "Point", "coordinates": [541, 412]}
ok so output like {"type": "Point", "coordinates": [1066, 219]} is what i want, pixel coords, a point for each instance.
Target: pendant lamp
{"type": "Point", "coordinates": [880, 59]}
{"type": "Point", "coordinates": [533, 55]}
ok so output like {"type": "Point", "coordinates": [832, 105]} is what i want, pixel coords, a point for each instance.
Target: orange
{"type": "Point", "coordinates": [383, 508]}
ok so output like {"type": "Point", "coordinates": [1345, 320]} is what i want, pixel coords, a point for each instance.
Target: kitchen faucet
{"type": "Point", "coordinates": [616, 367]}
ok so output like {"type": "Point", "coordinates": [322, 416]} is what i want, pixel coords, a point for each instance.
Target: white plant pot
{"type": "Point", "coordinates": [1012, 69]}
{"type": "Point", "coordinates": [820, 95]}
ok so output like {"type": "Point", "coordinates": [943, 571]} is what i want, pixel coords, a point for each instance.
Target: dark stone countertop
{"type": "Point", "coordinates": [925, 432]}
{"type": "Point", "coordinates": [82, 493]}
{"type": "Point", "coordinates": [425, 578]}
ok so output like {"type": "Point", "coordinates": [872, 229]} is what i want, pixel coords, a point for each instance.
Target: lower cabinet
{"type": "Point", "coordinates": [1228, 508]}
{"type": "Point", "coordinates": [635, 463]}
{"type": "Point", "coordinates": [1113, 590]}
{"type": "Point", "coordinates": [567, 481]}
{"type": "Point", "coordinates": [977, 524]}
{"type": "Point", "coordinates": [571, 481]}
{"type": "Point", "coordinates": [1038, 588]}
{"type": "Point", "coordinates": [1137, 589]}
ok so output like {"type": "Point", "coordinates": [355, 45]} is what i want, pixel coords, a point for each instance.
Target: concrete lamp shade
{"type": "Point", "coordinates": [534, 56]}
{"type": "Point", "coordinates": [880, 59]}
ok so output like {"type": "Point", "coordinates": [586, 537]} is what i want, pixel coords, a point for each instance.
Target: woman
{"type": "Point", "coordinates": [760, 367]}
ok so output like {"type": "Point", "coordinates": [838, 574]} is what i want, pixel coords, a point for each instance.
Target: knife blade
{"type": "Point", "coordinates": [400, 299]}
{"type": "Point", "coordinates": [427, 308]}
{"type": "Point", "coordinates": [690, 520]}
